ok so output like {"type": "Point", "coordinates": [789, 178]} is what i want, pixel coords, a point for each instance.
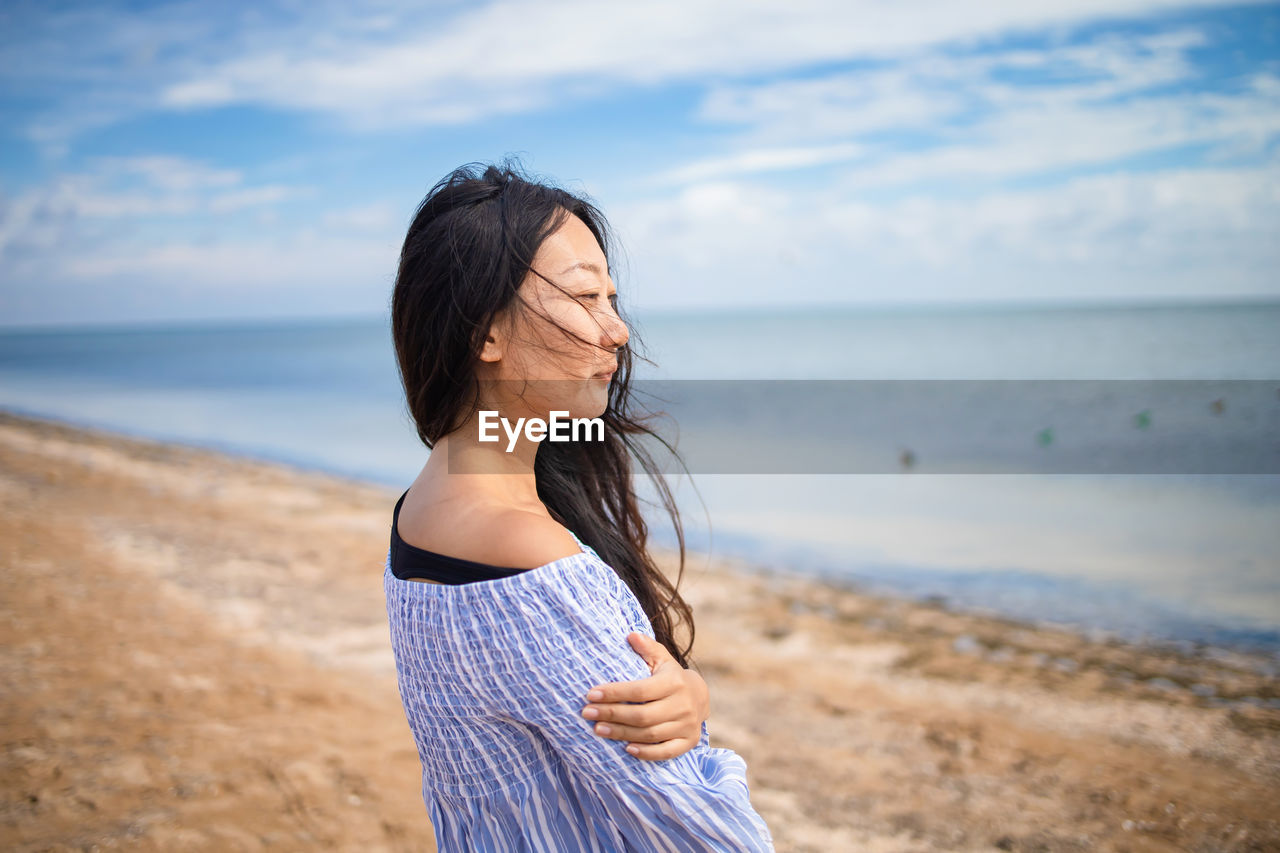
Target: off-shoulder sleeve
{"type": "Point", "coordinates": [571, 636]}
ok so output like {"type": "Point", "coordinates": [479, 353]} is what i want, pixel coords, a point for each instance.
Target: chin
{"type": "Point", "coordinates": [592, 403]}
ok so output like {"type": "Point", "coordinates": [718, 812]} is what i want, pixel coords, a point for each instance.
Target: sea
{"type": "Point", "coordinates": [1113, 469]}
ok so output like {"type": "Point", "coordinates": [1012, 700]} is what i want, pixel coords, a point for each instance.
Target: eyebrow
{"type": "Point", "coordinates": [582, 265]}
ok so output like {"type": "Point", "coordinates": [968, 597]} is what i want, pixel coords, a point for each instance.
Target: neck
{"type": "Point", "coordinates": [488, 467]}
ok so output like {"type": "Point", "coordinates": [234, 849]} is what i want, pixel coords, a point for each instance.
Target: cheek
{"type": "Point", "coordinates": [567, 341]}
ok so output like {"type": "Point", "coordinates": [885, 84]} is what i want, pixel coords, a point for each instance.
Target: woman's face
{"type": "Point", "coordinates": [556, 350]}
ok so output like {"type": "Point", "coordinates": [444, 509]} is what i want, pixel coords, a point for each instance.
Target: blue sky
{"type": "Point", "coordinates": [205, 161]}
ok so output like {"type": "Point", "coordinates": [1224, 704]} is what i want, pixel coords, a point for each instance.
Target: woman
{"type": "Point", "coordinates": [504, 623]}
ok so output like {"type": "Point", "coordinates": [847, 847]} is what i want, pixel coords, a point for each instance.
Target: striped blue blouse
{"type": "Point", "coordinates": [493, 677]}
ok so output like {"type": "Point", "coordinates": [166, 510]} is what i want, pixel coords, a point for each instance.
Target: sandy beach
{"type": "Point", "coordinates": [196, 658]}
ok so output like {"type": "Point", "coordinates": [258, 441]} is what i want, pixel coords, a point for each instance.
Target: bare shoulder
{"type": "Point", "coordinates": [525, 540]}
{"type": "Point", "coordinates": [494, 535]}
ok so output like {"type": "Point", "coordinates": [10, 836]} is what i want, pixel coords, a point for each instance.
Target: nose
{"type": "Point", "coordinates": [616, 330]}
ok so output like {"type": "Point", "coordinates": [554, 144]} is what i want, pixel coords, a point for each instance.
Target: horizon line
{"type": "Point", "coordinates": [664, 311]}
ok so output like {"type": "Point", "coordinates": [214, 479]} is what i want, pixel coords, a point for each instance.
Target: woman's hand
{"type": "Point", "coordinates": [671, 705]}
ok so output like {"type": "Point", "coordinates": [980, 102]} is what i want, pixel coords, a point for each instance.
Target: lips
{"type": "Point", "coordinates": [606, 374]}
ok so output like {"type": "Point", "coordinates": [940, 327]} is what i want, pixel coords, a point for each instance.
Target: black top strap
{"type": "Point", "coordinates": [409, 561]}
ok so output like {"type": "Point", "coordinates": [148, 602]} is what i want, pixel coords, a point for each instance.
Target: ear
{"type": "Point", "coordinates": [495, 341]}
{"type": "Point", "coordinates": [492, 350]}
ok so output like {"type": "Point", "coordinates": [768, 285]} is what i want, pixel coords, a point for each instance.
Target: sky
{"type": "Point", "coordinates": [208, 161]}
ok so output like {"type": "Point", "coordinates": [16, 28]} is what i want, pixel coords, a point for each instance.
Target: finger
{"type": "Point", "coordinates": [664, 682]}
{"type": "Point", "coordinates": [642, 734]}
{"type": "Point", "coordinates": [659, 751]}
{"type": "Point", "coordinates": [648, 648]}
{"type": "Point", "coordinates": [671, 708]}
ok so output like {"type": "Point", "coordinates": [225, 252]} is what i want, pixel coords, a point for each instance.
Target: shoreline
{"type": "Point", "coordinates": [1263, 651]}
{"type": "Point", "coordinates": [258, 632]}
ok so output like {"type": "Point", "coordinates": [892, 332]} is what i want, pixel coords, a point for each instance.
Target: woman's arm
{"type": "Point", "coordinates": [562, 638]}
{"type": "Point", "coordinates": [659, 717]}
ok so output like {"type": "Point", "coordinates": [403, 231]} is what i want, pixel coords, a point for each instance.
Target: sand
{"type": "Point", "coordinates": [196, 657]}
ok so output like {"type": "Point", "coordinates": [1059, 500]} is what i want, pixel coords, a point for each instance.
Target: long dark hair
{"type": "Point", "coordinates": [470, 246]}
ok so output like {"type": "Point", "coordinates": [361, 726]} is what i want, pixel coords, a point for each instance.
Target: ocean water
{"type": "Point", "coordinates": [1130, 484]}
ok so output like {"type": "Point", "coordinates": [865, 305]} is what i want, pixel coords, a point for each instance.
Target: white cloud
{"type": "Point", "coordinates": [1178, 233]}
{"type": "Point", "coordinates": [282, 262]}
{"type": "Point", "coordinates": [1079, 105]}
{"type": "Point", "coordinates": [251, 197]}
{"type": "Point", "coordinates": [480, 63]}
{"type": "Point", "coordinates": [378, 217]}
{"type": "Point", "coordinates": [1168, 234]}
{"type": "Point", "coordinates": [282, 281]}
{"type": "Point", "coordinates": [105, 202]}
{"type": "Point", "coordinates": [174, 236]}
{"type": "Point", "coordinates": [299, 272]}
{"type": "Point", "coordinates": [401, 66]}
{"type": "Point", "coordinates": [1031, 140]}
{"type": "Point", "coordinates": [161, 237]}
{"type": "Point", "coordinates": [927, 89]}
{"type": "Point", "coordinates": [172, 174]}
{"type": "Point", "coordinates": [760, 160]}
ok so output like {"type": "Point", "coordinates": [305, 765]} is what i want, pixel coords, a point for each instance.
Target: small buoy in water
{"type": "Point", "coordinates": [1142, 420]}
{"type": "Point", "coordinates": [1219, 406]}
{"type": "Point", "coordinates": [907, 458]}
{"type": "Point", "coordinates": [1045, 437]}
